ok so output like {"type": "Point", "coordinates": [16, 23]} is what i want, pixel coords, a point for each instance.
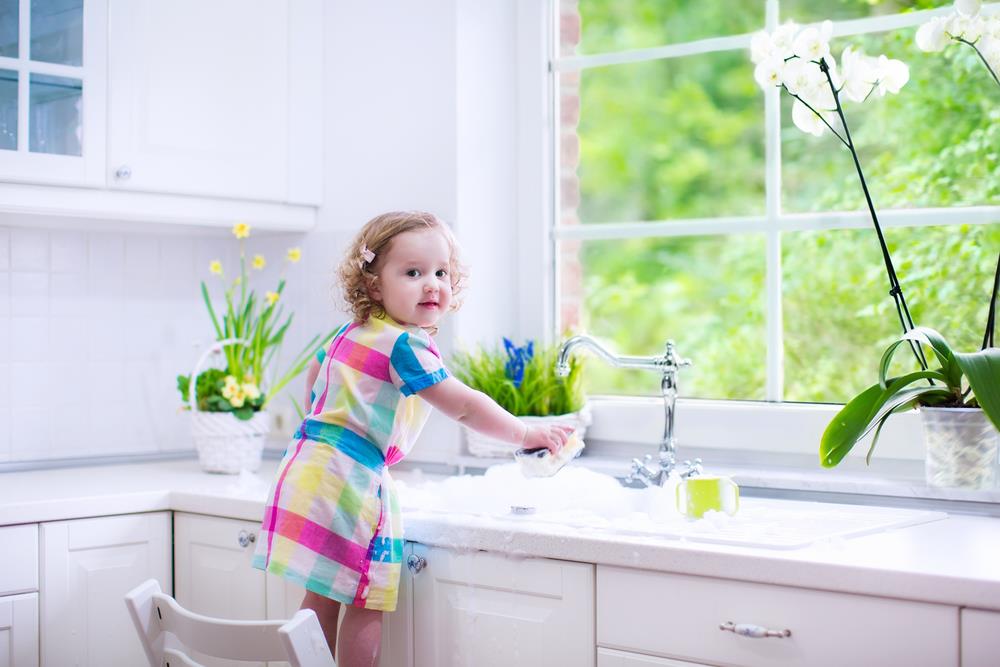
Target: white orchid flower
{"type": "Point", "coordinates": [813, 42]}
{"type": "Point", "coordinates": [990, 48]}
{"type": "Point", "coordinates": [800, 76]}
{"type": "Point", "coordinates": [893, 75]}
{"type": "Point", "coordinates": [991, 27]}
{"type": "Point", "coordinates": [968, 7]}
{"type": "Point", "coordinates": [859, 72]}
{"type": "Point", "coordinates": [783, 38]}
{"type": "Point", "coordinates": [762, 47]}
{"type": "Point", "coordinates": [768, 72]}
{"type": "Point", "coordinates": [806, 120]}
{"type": "Point", "coordinates": [931, 36]}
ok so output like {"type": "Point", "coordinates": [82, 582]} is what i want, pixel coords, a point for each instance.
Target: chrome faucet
{"type": "Point", "coordinates": [667, 365]}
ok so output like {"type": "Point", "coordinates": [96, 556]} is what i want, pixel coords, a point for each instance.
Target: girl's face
{"type": "Point", "coordinates": [414, 279]}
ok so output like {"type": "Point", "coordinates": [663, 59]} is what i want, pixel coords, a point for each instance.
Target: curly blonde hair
{"type": "Point", "coordinates": [357, 276]}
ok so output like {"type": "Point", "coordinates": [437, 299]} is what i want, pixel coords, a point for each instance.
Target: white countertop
{"type": "Point", "coordinates": [951, 561]}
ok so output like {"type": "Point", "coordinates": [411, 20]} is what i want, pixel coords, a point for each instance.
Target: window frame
{"type": "Point", "coordinates": [771, 429]}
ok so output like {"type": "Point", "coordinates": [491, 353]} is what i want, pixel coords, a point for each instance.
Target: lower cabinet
{"type": "Point", "coordinates": [88, 565]}
{"type": "Point", "coordinates": [691, 619]}
{"type": "Point", "coordinates": [607, 657]}
{"type": "Point", "coordinates": [19, 630]}
{"type": "Point", "coordinates": [214, 577]}
{"type": "Point", "coordinates": [485, 609]}
{"type": "Point", "coordinates": [980, 638]}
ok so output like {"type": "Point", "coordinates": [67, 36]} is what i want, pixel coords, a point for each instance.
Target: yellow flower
{"type": "Point", "coordinates": [272, 298]}
{"type": "Point", "coordinates": [259, 262]}
{"type": "Point", "coordinates": [231, 389]}
{"type": "Point", "coordinates": [237, 399]}
{"type": "Point", "coordinates": [294, 254]}
{"type": "Point", "coordinates": [215, 266]}
{"type": "Point", "coordinates": [251, 391]}
{"type": "Point", "coordinates": [241, 230]}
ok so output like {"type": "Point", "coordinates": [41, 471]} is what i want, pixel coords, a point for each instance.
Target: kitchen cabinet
{"type": "Point", "coordinates": [220, 99]}
{"type": "Point", "coordinates": [87, 567]}
{"type": "Point", "coordinates": [980, 638]}
{"type": "Point", "coordinates": [184, 112]}
{"type": "Point", "coordinates": [19, 596]}
{"type": "Point", "coordinates": [214, 577]}
{"type": "Point", "coordinates": [607, 657]}
{"type": "Point", "coordinates": [684, 618]}
{"type": "Point", "coordinates": [53, 94]}
{"type": "Point", "coordinates": [486, 609]}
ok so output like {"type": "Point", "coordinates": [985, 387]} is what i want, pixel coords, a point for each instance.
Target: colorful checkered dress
{"type": "Point", "coordinates": [332, 522]}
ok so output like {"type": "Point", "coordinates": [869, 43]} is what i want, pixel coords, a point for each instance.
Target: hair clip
{"type": "Point", "coordinates": [367, 255]}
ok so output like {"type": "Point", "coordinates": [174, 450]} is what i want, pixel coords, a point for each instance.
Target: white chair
{"type": "Point", "coordinates": [169, 632]}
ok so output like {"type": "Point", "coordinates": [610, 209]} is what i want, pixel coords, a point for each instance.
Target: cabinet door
{"type": "Point", "coordinates": [980, 638]}
{"type": "Point", "coordinates": [397, 627]}
{"type": "Point", "coordinates": [607, 657]}
{"type": "Point", "coordinates": [53, 94]}
{"type": "Point", "coordinates": [484, 609]}
{"type": "Point", "coordinates": [212, 98]}
{"type": "Point", "coordinates": [19, 630]}
{"type": "Point", "coordinates": [212, 570]}
{"type": "Point", "coordinates": [88, 565]}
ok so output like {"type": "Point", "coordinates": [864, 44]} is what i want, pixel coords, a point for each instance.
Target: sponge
{"type": "Point", "coordinates": [541, 463]}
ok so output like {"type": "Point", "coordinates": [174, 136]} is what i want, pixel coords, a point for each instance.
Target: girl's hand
{"type": "Point", "coordinates": [550, 436]}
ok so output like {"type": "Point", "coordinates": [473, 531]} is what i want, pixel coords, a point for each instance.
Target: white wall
{"type": "Point", "coordinates": [95, 325]}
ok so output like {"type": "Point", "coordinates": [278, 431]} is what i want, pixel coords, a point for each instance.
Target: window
{"type": "Point", "coordinates": [689, 207]}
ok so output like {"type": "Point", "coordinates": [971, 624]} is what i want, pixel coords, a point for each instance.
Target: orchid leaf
{"type": "Point", "coordinates": [982, 369]}
{"type": "Point", "coordinates": [942, 350]}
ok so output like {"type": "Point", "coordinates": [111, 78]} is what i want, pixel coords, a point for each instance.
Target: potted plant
{"type": "Point", "coordinates": [962, 442]}
{"type": "Point", "coordinates": [229, 421]}
{"type": "Point", "coordinates": [523, 381]}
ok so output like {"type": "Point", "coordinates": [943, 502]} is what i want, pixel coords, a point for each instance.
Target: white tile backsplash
{"type": "Point", "coordinates": [29, 250]}
{"type": "Point", "coordinates": [102, 323]}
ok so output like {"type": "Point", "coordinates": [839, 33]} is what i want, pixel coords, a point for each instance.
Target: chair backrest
{"type": "Point", "coordinates": [167, 630]}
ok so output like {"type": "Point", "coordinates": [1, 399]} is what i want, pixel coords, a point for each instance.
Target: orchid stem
{"type": "Point", "coordinates": [991, 314]}
{"type": "Point", "coordinates": [980, 54]}
{"type": "Point", "coordinates": [895, 289]}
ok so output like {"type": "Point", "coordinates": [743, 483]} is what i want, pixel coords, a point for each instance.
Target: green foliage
{"type": "Point", "coordinates": [941, 387]}
{"type": "Point", "coordinates": [542, 393]}
{"type": "Point", "coordinates": [683, 138]}
{"type": "Point", "coordinates": [208, 394]}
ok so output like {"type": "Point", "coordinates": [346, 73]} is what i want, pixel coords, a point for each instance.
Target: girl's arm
{"type": "Point", "coordinates": [481, 413]}
{"type": "Point", "coordinates": [311, 374]}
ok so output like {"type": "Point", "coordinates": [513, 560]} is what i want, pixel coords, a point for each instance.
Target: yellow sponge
{"type": "Point", "coordinates": [541, 463]}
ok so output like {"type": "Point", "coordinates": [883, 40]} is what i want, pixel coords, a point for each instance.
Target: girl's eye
{"type": "Point", "coordinates": [413, 273]}
{"type": "Point", "coordinates": [441, 273]}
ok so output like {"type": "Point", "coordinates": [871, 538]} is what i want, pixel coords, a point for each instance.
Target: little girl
{"type": "Point", "coordinates": [332, 522]}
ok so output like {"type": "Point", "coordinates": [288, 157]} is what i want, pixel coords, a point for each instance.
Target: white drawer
{"type": "Point", "coordinates": [19, 559]}
{"type": "Point", "coordinates": [980, 638]}
{"type": "Point", "coordinates": [679, 616]}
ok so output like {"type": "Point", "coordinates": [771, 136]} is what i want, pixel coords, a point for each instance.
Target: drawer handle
{"type": "Point", "coordinates": [753, 631]}
{"type": "Point", "coordinates": [416, 563]}
{"type": "Point", "coordinates": [245, 538]}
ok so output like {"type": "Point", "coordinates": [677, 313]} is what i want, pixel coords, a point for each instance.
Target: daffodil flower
{"type": "Point", "coordinates": [294, 254]}
{"type": "Point", "coordinates": [259, 262]}
{"type": "Point", "coordinates": [271, 297]}
{"type": "Point", "coordinates": [215, 266]}
{"type": "Point", "coordinates": [241, 230]}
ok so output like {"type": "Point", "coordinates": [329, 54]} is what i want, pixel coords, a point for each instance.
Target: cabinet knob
{"type": "Point", "coordinates": [246, 538]}
{"type": "Point", "coordinates": [123, 173]}
{"type": "Point", "coordinates": [416, 563]}
{"type": "Point", "coordinates": [754, 631]}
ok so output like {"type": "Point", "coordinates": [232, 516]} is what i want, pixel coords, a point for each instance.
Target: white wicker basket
{"type": "Point", "coordinates": [226, 444]}
{"type": "Point", "coordinates": [481, 445]}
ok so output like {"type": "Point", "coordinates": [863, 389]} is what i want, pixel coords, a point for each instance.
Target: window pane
{"type": "Point", "coordinates": [8, 109]}
{"type": "Point", "coordinates": [619, 25]}
{"type": "Point", "coordinates": [934, 144]}
{"type": "Point", "coordinates": [810, 11]}
{"type": "Point", "coordinates": [54, 116]}
{"type": "Point", "coordinates": [57, 31]}
{"type": "Point", "coordinates": [706, 293]}
{"type": "Point", "coordinates": [677, 138]}
{"type": "Point", "coordinates": [839, 317]}
{"type": "Point", "coordinates": [8, 28]}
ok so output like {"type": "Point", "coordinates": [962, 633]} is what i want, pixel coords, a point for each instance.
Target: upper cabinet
{"type": "Point", "coordinates": [53, 91]}
{"type": "Point", "coordinates": [162, 110]}
{"type": "Point", "coordinates": [216, 98]}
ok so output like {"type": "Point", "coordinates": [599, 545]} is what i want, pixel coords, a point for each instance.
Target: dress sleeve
{"type": "Point", "coordinates": [415, 363]}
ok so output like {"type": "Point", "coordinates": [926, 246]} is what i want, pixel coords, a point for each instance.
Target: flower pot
{"type": "Point", "coordinates": [481, 445]}
{"type": "Point", "coordinates": [229, 445]}
{"type": "Point", "coordinates": [962, 447]}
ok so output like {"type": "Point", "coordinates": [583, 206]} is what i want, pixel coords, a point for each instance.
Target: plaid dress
{"type": "Point", "coordinates": [332, 522]}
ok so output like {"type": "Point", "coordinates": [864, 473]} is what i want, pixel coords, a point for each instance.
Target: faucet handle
{"type": "Point", "coordinates": [674, 359]}
{"type": "Point", "coordinates": [691, 469]}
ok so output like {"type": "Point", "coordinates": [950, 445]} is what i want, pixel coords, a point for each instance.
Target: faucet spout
{"type": "Point", "coordinates": [667, 366]}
